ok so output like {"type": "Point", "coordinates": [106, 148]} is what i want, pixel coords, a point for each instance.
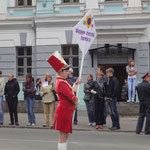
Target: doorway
{"type": "Point", "coordinates": [120, 73]}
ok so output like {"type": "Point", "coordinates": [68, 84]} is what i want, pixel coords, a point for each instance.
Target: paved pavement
{"type": "Point", "coordinates": [38, 139]}
{"type": "Point", "coordinates": [128, 123]}
{"type": "Point", "coordinates": [84, 137]}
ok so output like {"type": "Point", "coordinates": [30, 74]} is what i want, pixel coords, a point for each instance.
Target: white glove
{"type": "Point", "coordinates": [93, 92]}
{"type": "Point", "coordinates": [78, 102]}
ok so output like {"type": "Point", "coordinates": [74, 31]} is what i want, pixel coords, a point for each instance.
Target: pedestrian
{"type": "Point", "coordinates": [29, 96]}
{"type": "Point", "coordinates": [98, 89]}
{"type": "Point", "coordinates": [2, 82]}
{"type": "Point", "coordinates": [37, 89]}
{"type": "Point", "coordinates": [48, 100]}
{"type": "Point", "coordinates": [131, 72]}
{"type": "Point", "coordinates": [88, 98]}
{"type": "Point", "coordinates": [112, 88]}
{"type": "Point", "coordinates": [72, 79]}
{"type": "Point", "coordinates": [67, 101]}
{"type": "Point", "coordinates": [101, 70]}
{"type": "Point", "coordinates": [143, 90]}
{"type": "Point", "coordinates": [124, 91]}
{"type": "Point", "coordinates": [11, 92]}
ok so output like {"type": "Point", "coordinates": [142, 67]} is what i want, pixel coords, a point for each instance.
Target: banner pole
{"type": "Point", "coordinates": [80, 74]}
{"type": "Point", "coordinates": [81, 68]}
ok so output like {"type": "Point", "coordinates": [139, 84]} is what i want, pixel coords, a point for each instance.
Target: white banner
{"type": "Point", "coordinates": [85, 32]}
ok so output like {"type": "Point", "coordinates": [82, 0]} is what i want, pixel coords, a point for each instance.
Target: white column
{"type": "Point", "coordinates": [58, 2]}
{"type": "Point", "coordinates": [82, 1]}
{"type": "Point", "coordinates": [134, 5]}
{"type": "Point", "coordinates": [92, 4]}
{"type": "Point", "coordinates": [33, 2]}
{"type": "Point", "coordinates": [12, 3]}
{"type": "Point", "coordinates": [3, 7]}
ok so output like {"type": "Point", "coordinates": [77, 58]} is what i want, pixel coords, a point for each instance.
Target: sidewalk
{"type": "Point", "coordinates": [127, 123]}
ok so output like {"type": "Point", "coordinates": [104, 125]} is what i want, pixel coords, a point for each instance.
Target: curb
{"type": "Point", "coordinates": [77, 129]}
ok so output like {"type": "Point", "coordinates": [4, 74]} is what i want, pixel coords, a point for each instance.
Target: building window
{"type": "Point", "coordinates": [70, 1]}
{"type": "Point", "coordinates": [70, 54]}
{"type": "Point", "coordinates": [24, 61]}
{"type": "Point", "coordinates": [112, 0]}
{"type": "Point", "coordinates": [24, 2]}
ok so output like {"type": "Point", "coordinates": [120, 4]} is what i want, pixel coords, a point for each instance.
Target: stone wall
{"type": "Point", "coordinates": [128, 108]}
{"type": "Point", "coordinates": [123, 108]}
{"type": "Point", "coordinates": [38, 107]}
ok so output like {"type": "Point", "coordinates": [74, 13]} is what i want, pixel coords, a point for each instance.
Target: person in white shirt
{"type": "Point", "coordinates": [131, 71]}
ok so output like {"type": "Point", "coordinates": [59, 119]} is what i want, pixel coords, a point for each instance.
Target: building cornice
{"type": "Point", "coordinates": [100, 19]}
{"type": "Point", "coordinates": [22, 8]}
{"type": "Point", "coordinates": [123, 30]}
{"type": "Point", "coordinates": [12, 22]}
{"type": "Point", "coordinates": [71, 5]}
{"type": "Point", "coordinates": [11, 10]}
{"type": "Point", "coordinates": [103, 18]}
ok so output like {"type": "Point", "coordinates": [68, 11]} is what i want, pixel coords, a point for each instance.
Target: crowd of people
{"type": "Point", "coordinates": [32, 91]}
{"type": "Point", "coordinates": [44, 91]}
{"type": "Point", "coordinates": [97, 93]}
{"type": "Point", "coordinates": [104, 89]}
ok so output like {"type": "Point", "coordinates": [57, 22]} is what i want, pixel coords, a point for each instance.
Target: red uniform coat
{"type": "Point", "coordinates": [66, 105]}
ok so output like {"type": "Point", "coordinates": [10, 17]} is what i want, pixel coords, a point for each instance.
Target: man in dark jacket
{"type": "Point", "coordinates": [143, 90]}
{"type": "Point", "coordinates": [101, 70]}
{"type": "Point", "coordinates": [112, 87]}
{"type": "Point", "coordinates": [98, 90]}
{"type": "Point", "coordinates": [11, 93]}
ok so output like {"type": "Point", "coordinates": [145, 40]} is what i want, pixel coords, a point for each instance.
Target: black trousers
{"type": "Point", "coordinates": [12, 106]}
{"type": "Point", "coordinates": [99, 111]}
{"type": "Point", "coordinates": [144, 112]}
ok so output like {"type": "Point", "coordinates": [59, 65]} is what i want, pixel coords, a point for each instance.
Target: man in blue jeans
{"type": "Point", "coordinates": [1, 97]}
{"type": "Point", "coordinates": [112, 86]}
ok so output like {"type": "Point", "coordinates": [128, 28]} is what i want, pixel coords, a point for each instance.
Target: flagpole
{"type": "Point", "coordinates": [80, 74]}
{"type": "Point", "coordinates": [85, 33]}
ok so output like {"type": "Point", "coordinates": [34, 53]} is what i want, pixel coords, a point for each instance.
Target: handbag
{"type": "Point", "coordinates": [54, 93]}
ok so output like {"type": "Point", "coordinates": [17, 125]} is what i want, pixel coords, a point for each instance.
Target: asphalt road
{"type": "Point", "coordinates": [44, 139]}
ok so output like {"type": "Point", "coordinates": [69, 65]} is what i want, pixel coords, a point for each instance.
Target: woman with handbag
{"type": "Point", "coordinates": [48, 99]}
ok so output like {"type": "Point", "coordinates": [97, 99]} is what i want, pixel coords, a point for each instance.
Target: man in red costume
{"type": "Point", "coordinates": [67, 100]}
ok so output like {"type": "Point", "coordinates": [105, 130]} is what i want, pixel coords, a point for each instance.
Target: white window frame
{"type": "Point", "coordinates": [61, 1]}
{"type": "Point", "coordinates": [70, 57]}
{"type": "Point", "coordinates": [71, 1]}
{"type": "Point", "coordinates": [113, 0]}
{"type": "Point", "coordinates": [25, 57]}
{"type": "Point", "coordinates": [25, 3]}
